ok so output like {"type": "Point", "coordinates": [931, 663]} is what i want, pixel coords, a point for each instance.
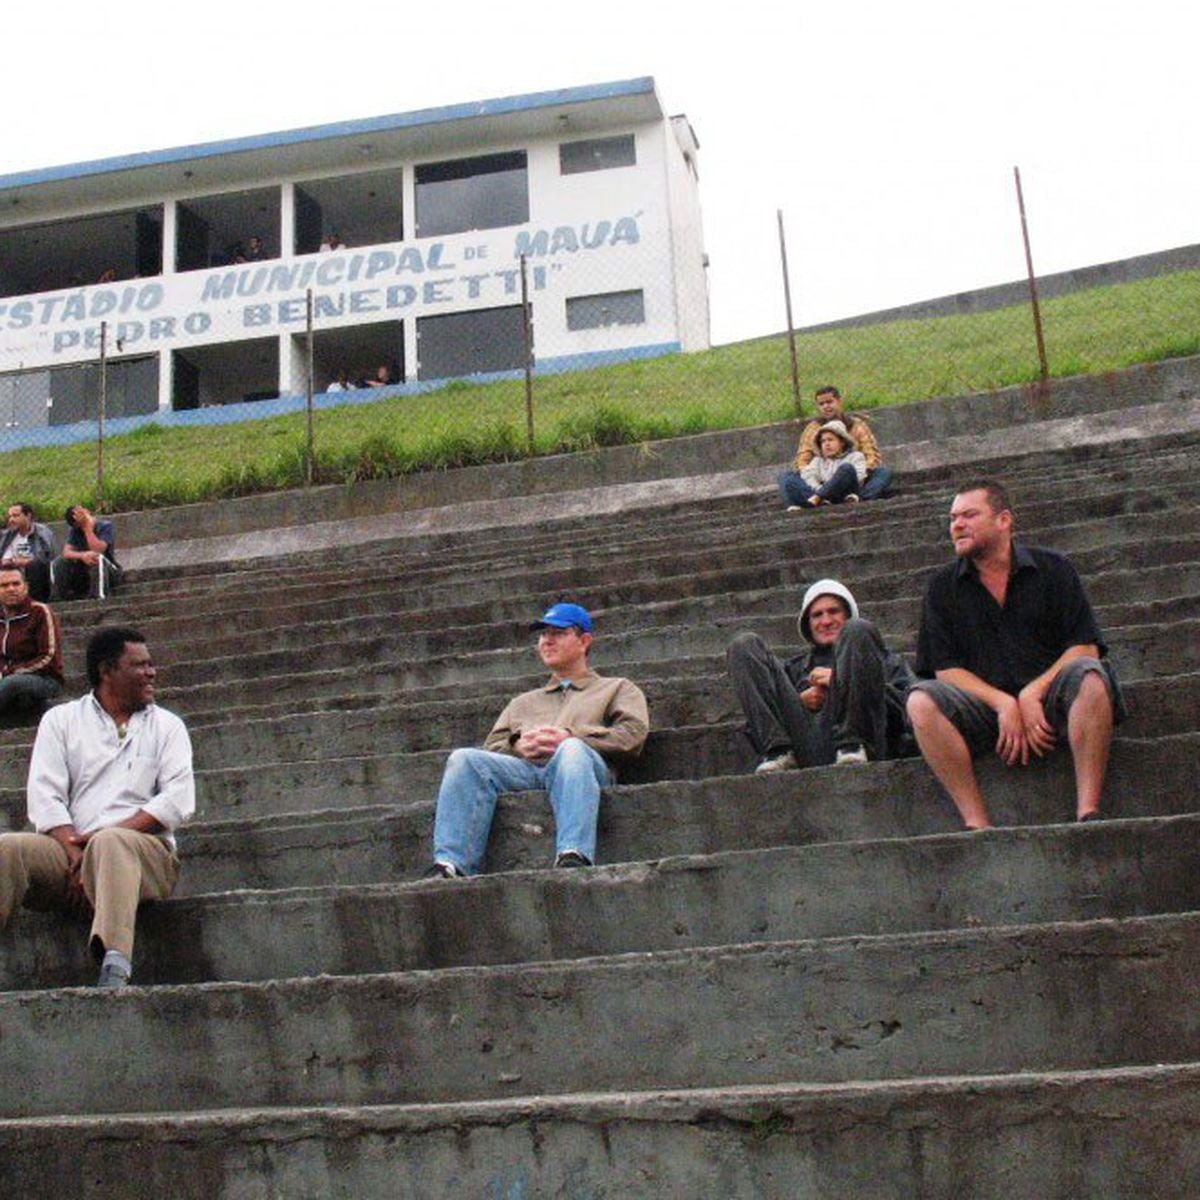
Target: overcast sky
{"type": "Point", "coordinates": [886, 133]}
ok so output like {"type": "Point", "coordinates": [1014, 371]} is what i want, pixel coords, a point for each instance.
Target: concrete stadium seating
{"type": "Point", "coordinates": [809, 984]}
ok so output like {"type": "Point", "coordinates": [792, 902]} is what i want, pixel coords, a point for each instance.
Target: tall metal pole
{"type": "Point", "coordinates": [528, 326]}
{"type": "Point", "coordinates": [1033, 292]}
{"type": "Point", "coordinates": [103, 402]}
{"type": "Point", "coordinates": [308, 390]}
{"type": "Point", "coordinates": [787, 300]}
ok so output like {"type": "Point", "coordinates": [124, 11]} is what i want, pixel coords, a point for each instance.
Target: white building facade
{"type": "Point", "coordinates": [195, 267]}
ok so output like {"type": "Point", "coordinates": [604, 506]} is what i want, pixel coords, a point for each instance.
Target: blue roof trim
{"type": "Point", "coordinates": [316, 133]}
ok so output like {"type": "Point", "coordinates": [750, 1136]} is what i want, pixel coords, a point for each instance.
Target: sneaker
{"type": "Point", "coordinates": [442, 870]}
{"type": "Point", "coordinates": [571, 858]}
{"type": "Point", "coordinates": [852, 498]}
{"type": "Point", "coordinates": [796, 507]}
{"type": "Point", "coordinates": [852, 755]}
{"type": "Point", "coordinates": [113, 975]}
{"type": "Point", "coordinates": [779, 762]}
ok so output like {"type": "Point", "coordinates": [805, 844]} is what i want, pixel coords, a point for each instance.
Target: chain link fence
{"type": "Point", "coordinates": [265, 372]}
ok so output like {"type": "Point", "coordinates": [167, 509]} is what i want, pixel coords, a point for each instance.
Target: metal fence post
{"type": "Point", "coordinates": [787, 300]}
{"type": "Point", "coordinates": [309, 452]}
{"type": "Point", "coordinates": [527, 315]}
{"type": "Point", "coordinates": [1033, 292]}
{"type": "Point", "coordinates": [102, 404]}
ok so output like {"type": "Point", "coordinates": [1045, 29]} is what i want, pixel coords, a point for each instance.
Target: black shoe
{"type": "Point", "coordinates": [441, 870]}
{"type": "Point", "coordinates": [571, 858]}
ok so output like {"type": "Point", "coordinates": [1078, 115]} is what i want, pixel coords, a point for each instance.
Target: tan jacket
{"type": "Point", "coordinates": [610, 715]}
{"type": "Point", "coordinates": [856, 427]}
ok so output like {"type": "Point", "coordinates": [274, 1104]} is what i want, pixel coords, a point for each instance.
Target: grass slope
{"type": "Point", "coordinates": [1100, 329]}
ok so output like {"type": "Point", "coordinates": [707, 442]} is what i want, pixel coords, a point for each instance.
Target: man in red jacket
{"type": "Point", "coordinates": [31, 666]}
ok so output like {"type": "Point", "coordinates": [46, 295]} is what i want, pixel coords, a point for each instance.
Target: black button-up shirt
{"type": "Point", "coordinates": [1046, 611]}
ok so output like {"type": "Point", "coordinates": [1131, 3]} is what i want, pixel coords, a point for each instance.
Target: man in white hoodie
{"type": "Point", "coordinates": [840, 702]}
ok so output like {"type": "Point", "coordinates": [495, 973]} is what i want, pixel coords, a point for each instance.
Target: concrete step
{"type": "Point", "coordinates": [712, 744]}
{"type": "Point", "coordinates": [1058, 1135]}
{"type": "Point", "coordinates": [382, 842]}
{"type": "Point", "coordinates": [841, 533]}
{"type": "Point", "coordinates": [1119, 868]}
{"type": "Point", "coordinates": [1102, 480]}
{"type": "Point", "coordinates": [1069, 996]}
{"type": "Point", "coordinates": [331, 645]}
{"type": "Point", "coordinates": [867, 526]}
{"type": "Point", "coordinates": [506, 622]}
{"type": "Point", "coordinates": [1139, 653]}
{"type": "Point", "coordinates": [877, 583]}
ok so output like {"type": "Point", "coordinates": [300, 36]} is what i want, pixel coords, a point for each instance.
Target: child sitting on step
{"type": "Point", "coordinates": [836, 473]}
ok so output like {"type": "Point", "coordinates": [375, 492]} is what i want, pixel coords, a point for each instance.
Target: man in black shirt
{"type": "Point", "coordinates": [1011, 658]}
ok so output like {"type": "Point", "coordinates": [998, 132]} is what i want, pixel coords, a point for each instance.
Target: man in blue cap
{"type": "Point", "coordinates": [563, 738]}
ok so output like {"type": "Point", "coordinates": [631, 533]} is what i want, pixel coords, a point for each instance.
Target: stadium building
{"type": "Point", "coordinates": [408, 230]}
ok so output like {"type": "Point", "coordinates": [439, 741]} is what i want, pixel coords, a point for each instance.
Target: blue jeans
{"type": "Point", "coordinates": [878, 482]}
{"type": "Point", "coordinates": [474, 779]}
{"type": "Point", "coordinates": [27, 694]}
{"type": "Point", "coordinates": [795, 490]}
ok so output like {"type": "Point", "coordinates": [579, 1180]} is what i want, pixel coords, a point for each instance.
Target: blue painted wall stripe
{"type": "Point", "coordinates": [257, 410]}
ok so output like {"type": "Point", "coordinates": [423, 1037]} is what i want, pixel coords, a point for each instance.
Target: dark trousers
{"type": "Point", "coordinates": [37, 575]}
{"type": "Point", "coordinates": [795, 489]}
{"type": "Point", "coordinates": [855, 711]}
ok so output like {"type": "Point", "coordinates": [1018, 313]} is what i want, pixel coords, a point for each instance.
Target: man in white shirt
{"type": "Point", "coordinates": [109, 780]}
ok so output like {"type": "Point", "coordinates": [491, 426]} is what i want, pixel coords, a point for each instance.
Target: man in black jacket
{"type": "Point", "coordinates": [841, 702]}
{"type": "Point", "coordinates": [29, 546]}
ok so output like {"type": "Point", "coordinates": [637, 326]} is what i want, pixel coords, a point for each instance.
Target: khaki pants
{"type": "Point", "coordinates": [121, 867]}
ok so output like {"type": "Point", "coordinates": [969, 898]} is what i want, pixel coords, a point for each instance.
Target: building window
{"type": "Point", "coordinates": [471, 343]}
{"type": "Point", "coordinates": [606, 308]}
{"type": "Point", "coordinates": [472, 193]}
{"type": "Point", "coordinates": [597, 154]}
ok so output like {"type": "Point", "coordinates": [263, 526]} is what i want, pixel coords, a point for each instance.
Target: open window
{"type": "Point", "coordinates": [81, 252]}
{"type": "Point", "coordinates": [356, 210]}
{"type": "Point", "coordinates": [215, 231]}
{"type": "Point", "coordinates": [488, 192]}
{"type": "Point", "coordinates": [354, 356]}
{"type": "Point", "coordinates": [229, 373]}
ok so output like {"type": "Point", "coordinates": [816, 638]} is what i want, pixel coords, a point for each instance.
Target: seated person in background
{"type": "Point", "coordinates": [31, 547]}
{"type": "Point", "coordinates": [381, 378]}
{"type": "Point", "coordinates": [109, 779]}
{"type": "Point", "coordinates": [563, 738]}
{"type": "Point", "coordinates": [341, 383]}
{"type": "Point", "coordinates": [332, 243]}
{"type": "Point", "coordinates": [830, 407]}
{"type": "Point", "coordinates": [1012, 660]}
{"type": "Point", "coordinates": [841, 702]}
{"type": "Point", "coordinates": [255, 250]}
{"type": "Point", "coordinates": [31, 666]}
{"type": "Point", "coordinates": [90, 551]}
{"type": "Point", "coordinates": [835, 474]}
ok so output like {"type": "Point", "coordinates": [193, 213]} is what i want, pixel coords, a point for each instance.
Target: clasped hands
{"type": "Point", "coordinates": [819, 681]}
{"type": "Point", "coordinates": [1024, 729]}
{"type": "Point", "coordinates": [538, 745]}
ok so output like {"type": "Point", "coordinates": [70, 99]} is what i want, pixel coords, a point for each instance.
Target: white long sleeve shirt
{"type": "Point", "coordinates": [83, 773]}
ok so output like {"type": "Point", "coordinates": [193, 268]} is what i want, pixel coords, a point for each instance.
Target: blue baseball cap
{"type": "Point", "coordinates": [563, 616]}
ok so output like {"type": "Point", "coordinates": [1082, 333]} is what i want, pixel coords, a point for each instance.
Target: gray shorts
{"type": "Point", "coordinates": [980, 726]}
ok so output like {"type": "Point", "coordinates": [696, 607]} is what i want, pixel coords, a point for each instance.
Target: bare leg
{"type": "Point", "coordinates": [1089, 730]}
{"type": "Point", "coordinates": [948, 757]}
